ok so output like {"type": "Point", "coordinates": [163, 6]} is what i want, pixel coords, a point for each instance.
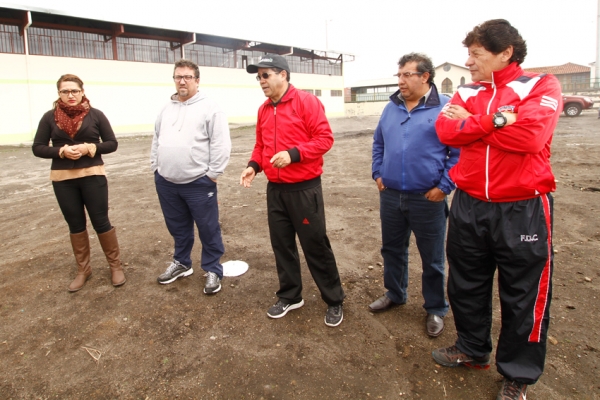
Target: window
{"type": "Point", "coordinates": [306, 65]}
{"type": "Point", "coordinates": [447, 86]}
{"type": "Point", "coordinates": [308, 91]}
{"type": "Point", "coordinates": [462, 80]}
{"type": "Point", "coordinates": [10, 40]}
{"type": "Point", "coordinates": [211, 56]}
{"type": "Point", "coordinates": [247, 57]}
{"type": "Point", "coordinates": [146, 50]}
{"type": "Point", "coordinates": [318, 92]}
{"type": "Point", "coordinates": [336, 93]}
{"type": "Point", "coordinates": [59, 43]}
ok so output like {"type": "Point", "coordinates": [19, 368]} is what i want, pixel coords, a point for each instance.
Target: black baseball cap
{"type": "Point", "coordinates": [269, 61]}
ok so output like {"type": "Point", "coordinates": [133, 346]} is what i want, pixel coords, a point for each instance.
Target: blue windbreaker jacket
{"type": "Point", "coordinates": [407, 153]}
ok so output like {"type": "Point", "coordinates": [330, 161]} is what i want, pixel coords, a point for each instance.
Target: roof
{"type": "Point", "coordinates": [568, 68]}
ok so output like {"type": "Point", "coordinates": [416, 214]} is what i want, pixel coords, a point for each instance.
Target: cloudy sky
{"type": "Point", "coordinates": [377, 32]}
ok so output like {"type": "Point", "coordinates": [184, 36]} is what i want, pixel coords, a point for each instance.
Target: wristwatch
{"type": "Point", "coordinates": [499, 120]}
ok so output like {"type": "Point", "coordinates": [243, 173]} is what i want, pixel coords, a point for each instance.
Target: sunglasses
{"type": "Point", "coordinates": [264, 75]}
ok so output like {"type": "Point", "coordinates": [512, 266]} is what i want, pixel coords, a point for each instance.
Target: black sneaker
{"type": "Point", "coordinates": [213, 283]}
{"type": "Point", "coordinates": [174, 271]}
{"type": "Point", "coordinates": [512, 390]}
{"type": "Point", "coordinates": [334, 315]}
{"type": "Point", "coordinates": [279, 309]}
{"type": "Point", "coordinates": [453, 357]}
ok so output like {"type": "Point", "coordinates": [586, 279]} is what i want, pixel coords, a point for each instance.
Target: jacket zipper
{"type": "Point", "coordinates": [487, 151]}
{"type": "Point", "coordinates": [275, 147]}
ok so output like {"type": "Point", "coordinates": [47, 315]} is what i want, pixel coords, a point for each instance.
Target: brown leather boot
{"type": "Point", "coordinates": [81, 250]}
{"type": "Point", "coordinates": [110, 245]}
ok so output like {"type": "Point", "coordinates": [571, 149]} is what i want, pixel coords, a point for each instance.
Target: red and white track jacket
{"type": "Point", "coordinates": [510, 163]}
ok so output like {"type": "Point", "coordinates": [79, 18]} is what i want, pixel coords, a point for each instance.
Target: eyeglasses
{"type": "Point", "coordinates": [187, 78]}
{"type": "Point", "coordinates": [65, 92]}
{"type": "Point", "coordinates": [408, 74]}
{"type": "Point", "coordinates": [264, 75]}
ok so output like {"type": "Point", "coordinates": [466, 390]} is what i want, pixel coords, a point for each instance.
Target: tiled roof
{"type": "Point", "coordinates": [568, 68]}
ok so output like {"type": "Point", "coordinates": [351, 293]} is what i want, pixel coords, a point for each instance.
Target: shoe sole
{"type": "Point", "coordinates": [459, 364]}
{"type": "Point", "coordinates": [213, 291]}
{"type": "Point", "coordinates": [290, 308]}
{"type": "Point", "coordinates": [334, 325]}
{"type": "Point", "coordinates": [181, 275]}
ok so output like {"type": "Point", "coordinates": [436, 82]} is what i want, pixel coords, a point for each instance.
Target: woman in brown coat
{"type": "Point", "coordinates": [80, 134]}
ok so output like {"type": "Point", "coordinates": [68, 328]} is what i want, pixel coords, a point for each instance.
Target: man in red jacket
{"type": "Point", "coordinates": [292, 134]}
{"type": "Point", "coordinates": [501, 214]}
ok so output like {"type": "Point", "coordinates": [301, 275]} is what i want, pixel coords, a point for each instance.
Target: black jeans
{"type": "Point", "coordinates": [90, 192]}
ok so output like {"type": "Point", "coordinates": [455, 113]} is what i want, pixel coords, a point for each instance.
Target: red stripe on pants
{"type": "Point", "coordinates": [542, 298]}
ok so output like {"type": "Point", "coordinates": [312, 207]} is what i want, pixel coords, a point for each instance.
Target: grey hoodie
{"type": "Point", "coordinates": [191, 139]}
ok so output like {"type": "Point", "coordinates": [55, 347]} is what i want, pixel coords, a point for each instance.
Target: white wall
{"type": "Point", "coordinates": [365, 108]}
{"type": "Point", "coordinates": [130, 93]}
{"type": "Point", "coordinates": [454, 74]}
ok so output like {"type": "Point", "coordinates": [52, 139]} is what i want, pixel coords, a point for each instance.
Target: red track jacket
{"type": "Point", "coordinates": [510, 163]}
{"type": "Point", "coordinates": [297, 124]}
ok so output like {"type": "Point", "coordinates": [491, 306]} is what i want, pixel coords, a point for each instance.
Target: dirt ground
{"type": "Point", "coordinates": [149, 341]}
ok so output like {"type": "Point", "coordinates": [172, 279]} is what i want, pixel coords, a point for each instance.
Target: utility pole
{"type": "Point", "coordinates": [597, 74]}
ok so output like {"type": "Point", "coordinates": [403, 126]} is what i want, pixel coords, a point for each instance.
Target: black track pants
{"type": "Point", "coordinates": [301, 212]}
{"type": "Point", "coordinates": [516, 237]}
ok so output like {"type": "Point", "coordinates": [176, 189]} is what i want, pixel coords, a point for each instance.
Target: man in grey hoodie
{"type": "Point", "coordinates": [190, 150]}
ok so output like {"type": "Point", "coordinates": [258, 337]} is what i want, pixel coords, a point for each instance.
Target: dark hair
{"type": "Point", "coordinates": [424, 63]}
{"type": "Point", "coordinates": [278, 71]}
{"type": "Point", "coordinates": [496, 35]}
{"type": "Point", "coordinates": [67, 78]}
{"type": "Point", "coordinates": [183, 63]}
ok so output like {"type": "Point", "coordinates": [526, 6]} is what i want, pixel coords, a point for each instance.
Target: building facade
{"type": "Point", "coordinates": [127, 70]}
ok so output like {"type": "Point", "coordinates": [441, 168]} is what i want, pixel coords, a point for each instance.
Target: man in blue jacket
{"type": "Point", "coordinates": [411, 166]}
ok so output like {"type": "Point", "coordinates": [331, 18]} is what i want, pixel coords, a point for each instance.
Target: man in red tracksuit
{"type": "Point", "coordinates": [501, 214]}
{"type": "Point", "coordinates": [292, 135]}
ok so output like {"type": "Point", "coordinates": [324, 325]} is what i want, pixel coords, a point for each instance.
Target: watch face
{"type": "Point", "coordinates": [499, 120]}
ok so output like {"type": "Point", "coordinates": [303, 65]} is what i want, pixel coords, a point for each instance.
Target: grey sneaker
{"type": "Point", "coordinates": [512, 390]}
{"type": "Point", "coordinates": [174, 271]}
{"type": "Point", "coordinates": [279, 309]}
{"type": "Point", "coordinates": [453, 357]}
{"type": "Point", "coordinates": [334, 315]}
{"type": "Point", "coordinates": [213, 283]}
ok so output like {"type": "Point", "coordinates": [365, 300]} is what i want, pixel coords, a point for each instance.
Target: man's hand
{"type": "Point", "coordinates": [247, 177]}
{"type": "Point", "coordinates": [380, 185]}
{"type": "Point", "coordinates": [281, 160]}
{"type": "Point", "coordinates": [435, 194]}
{"type": "Point", "coordinates": [456, 112]}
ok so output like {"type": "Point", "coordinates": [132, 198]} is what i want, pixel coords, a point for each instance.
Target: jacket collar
{"type": "Point", "coordinates": [508, 74]}
{"type": "Point", "coordinates": [432, 101]}
{"type": "Point", "coordinates": [289, 94]}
